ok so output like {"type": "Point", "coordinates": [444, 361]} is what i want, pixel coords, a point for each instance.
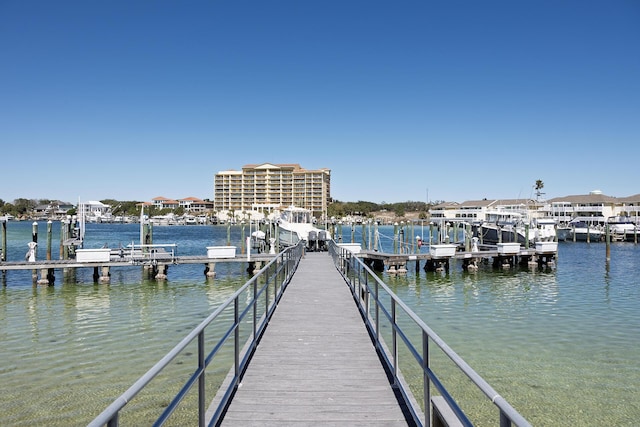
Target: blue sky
{"type": "Point", "coordinates": [403, 100]}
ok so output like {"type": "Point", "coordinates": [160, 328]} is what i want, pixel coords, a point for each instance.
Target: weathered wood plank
{"type": "Point", "coordinates": [316, 363]}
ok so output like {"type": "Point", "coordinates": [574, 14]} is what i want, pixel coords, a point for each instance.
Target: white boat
{"type": "Point", "coordinates": [507, 226]}
{"type": "Point", "coordinates": [259, 241]}
{"type": "Point", "coordinates": [622, 228]}
{"type": "Point", "coordinates": [544, 229]}
{"type": "Point", "coordinates": [296, 224]}
{"type": "Point", "coordinates": [190, 220]}
{"type": "Point", "coordinates": [564, 232]}
{"type": "Point", "coordinates": [580, 229]}
{"type": "Point", "coordinates": [161, 220]}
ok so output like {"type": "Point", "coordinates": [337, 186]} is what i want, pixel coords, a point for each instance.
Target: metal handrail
{"type": "Point", "coordinates": [366, 288]}
{"type": "Point", "coordinates": [276, 274]}
{"type": "Point", "coordinates": [150, 252]}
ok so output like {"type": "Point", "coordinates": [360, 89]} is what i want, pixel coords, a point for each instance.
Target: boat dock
{"type": "Point", "coordinates": [157, 258]}
{"type": "Point", "coordinates": [316, 364]}
{"type": "Point", "coordinates": [155, 264]}
{"type": "Point", "coordinates": [504, 255]}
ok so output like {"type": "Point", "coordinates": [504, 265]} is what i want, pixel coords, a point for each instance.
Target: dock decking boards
{"type": "Point", "coordinates": [316, 364]}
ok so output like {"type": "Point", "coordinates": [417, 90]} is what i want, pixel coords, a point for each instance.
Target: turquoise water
{"type": "Point", "coordinates": [560, 344]}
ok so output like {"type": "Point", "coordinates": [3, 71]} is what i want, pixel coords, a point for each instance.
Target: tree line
{"type": "Point", "coordinates": [340, 209]}
{"type": "Point", "coordinates": [25, 207]}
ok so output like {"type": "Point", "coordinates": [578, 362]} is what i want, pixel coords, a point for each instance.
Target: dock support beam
{"type": "Point", "coordinates": [69, 274]}
{"type": "Point", "coordinates": [46, 276]}
{"type": "Point", "coordinates": [105, 277]}
{"type": "Point", "coordinates": [210, 270]}
{"type": "Point", "coordinates": [400, 268]}
{"type": "Point", "coordinates": [254, 267]}
{"type": "Point", "coordinates": [161, 271]}
{"type": "Point", "coordinates": [437, 264]}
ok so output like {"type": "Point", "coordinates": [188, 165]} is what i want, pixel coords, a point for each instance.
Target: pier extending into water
{"type": "Point", "coordinates": [313, 361]}
{"type": "Point", "coordinates": [316, 365]}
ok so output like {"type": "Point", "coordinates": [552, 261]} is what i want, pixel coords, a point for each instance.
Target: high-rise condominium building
{"type": "Point", "coordinates": [268, 186]}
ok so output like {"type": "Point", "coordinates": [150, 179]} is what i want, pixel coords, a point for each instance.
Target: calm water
{"type": "Point", "coordinates": [562, 345]}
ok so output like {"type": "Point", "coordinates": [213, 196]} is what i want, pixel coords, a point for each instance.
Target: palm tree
{"type": "Point", "coordinates": [539, 186]}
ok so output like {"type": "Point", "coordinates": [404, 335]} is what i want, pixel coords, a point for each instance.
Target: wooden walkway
{"type": "Point", "coordinates": [316, 364]}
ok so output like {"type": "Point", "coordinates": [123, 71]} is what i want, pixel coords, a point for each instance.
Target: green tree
{"type": "Point", "coordinates": [24, 206]}
{"type": "Point", "coordinates": [539, 186]}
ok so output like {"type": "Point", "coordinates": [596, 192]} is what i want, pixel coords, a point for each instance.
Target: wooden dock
{"type": "Point", "coordinates": [397, 263]}
{"type": "Point", "coordinates": [157, 261]}
{"type": "Point", "coordinates": [114, 262]}
{"type": "Point", "coordinates": [156, 267]}
{"type": "Point", "coordinates": [316, 364]}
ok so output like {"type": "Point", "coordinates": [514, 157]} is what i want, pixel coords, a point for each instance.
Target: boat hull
{"type": "Point", "coordinates": [580, 235]}
{"type": "Point", "coordinates": [491, 234]}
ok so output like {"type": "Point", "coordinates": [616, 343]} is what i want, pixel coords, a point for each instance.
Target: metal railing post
{"type": "Point", "coordinates": [426, 383]}
{"type": "Point", "coordinates": [113, 422]}
{"type": "Point", "coordinates": [394, 326]}
{"type": "Point", "coordinates": [255, 309]}
{"type": "Point", "coordinates": [202, 410]}
{"type": "Point", "coordinates": [236, 337]}
{"type": "Point", "coordinates": [364, 291]}
{"type": "Point", "coordinates": [504, 420]}
{"type": "Point", "coordinates": [377, 302]}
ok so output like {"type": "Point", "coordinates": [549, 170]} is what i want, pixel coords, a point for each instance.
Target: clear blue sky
{"type": "Point", "coordinates": [402, 100]}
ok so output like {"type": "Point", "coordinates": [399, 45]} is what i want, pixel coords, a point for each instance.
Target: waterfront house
{"type": "Point", "coordinates": [482, 210]}
{"type": "Point", "coordinates": [195, 206]}
{"type": "Point", "coordinates": [595, 207]}
{"type": "Point", "coordinates": [164, 203]}
{"type": "Point", "coordinates": [95, 211]}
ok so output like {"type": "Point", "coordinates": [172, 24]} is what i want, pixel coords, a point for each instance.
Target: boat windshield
{"type": "Point", "coordinates": [297, 217]}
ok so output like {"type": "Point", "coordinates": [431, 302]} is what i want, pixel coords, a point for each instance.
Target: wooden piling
{"type": "Point", "coordinates": [34, 236]}
{"type": "Point", "coordinates": [62, 254]}
{"type": "Point", "coordinates": [607, 243]}
{"type": "Point", "coordinates": [34, 239]}
{"type": "Point", "coordinates": [3, 250]}
{"type": "Point", "coordinates": [430, 233]}
{"type": "Point", "coordinates": [49, 232]}
{"type": "Point", "coordinates": [49, 273]}
{"type": "Point", "coordinates": [375, 236]}
{"type": "Point", "coordinates": [395, 237]}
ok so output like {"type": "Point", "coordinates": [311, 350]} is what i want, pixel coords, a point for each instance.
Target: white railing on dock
{"type": "Point", "coordinates": [149, 253]}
